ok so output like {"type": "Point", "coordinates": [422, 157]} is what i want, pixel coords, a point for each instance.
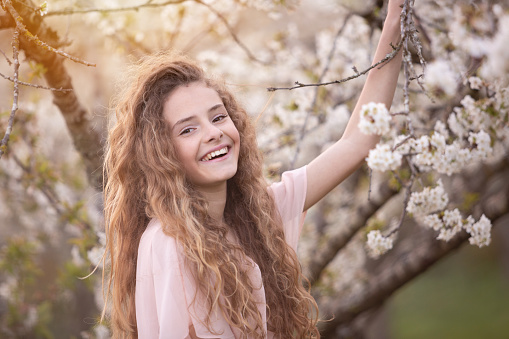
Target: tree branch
{"type": "Point", "coordinates": [34, 39]}
{"type": "Point", "coordinates": [87, 140]}
{"type": "Point", "coordinates": [232, 33]}
{"type": "Point", "coordinates": [336, 243]}
{"type": "Point", "coordinates": [380, 63]}
{"type": "Point", "coordinates": [422, 254]}
{"type": "Point", "coordinates": [15, 53]}
{"type": "Point", "coordinates": [381, 287]}
{"type": "Point", "coordinates": [315, 96]}
{"type": "Point", "coordinates": [35, 85]}
{"type": "Point", "coordinates": [148, 4]}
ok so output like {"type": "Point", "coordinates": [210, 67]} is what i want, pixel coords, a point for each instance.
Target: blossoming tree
{"type": "Point", "coordinates": [437, 179]}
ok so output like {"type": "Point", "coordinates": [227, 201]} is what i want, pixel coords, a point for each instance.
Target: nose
{"type": "Point", "coordinates": [213, 133]}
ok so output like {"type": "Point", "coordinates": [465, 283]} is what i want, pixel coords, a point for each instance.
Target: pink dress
{"type": "Point", "coordinates": [165, 288]}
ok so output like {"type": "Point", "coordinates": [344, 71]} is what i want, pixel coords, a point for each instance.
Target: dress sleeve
{"type": "Point", "coordinates": [289, 196]}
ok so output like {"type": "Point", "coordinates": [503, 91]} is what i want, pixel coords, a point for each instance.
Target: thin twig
{"type": "Point", "coordinates": [147, 4]}
{"type": "Point", "coordinates": [298, 84]}
{"type": "Point", "coordinates": [408, 190]}
{"type": "Point", "coordinates": [48, 193]}
{"type": "Point", "coordinates": [6, 57]}
{"type": "Point", "coordinates": [232, 33]}
{"type": "Point", "coordinates": [22, 28]}
{"type": "Point", "coordinates": [35, 85]}
{"type": "Point", "coordinates": [162, 4]}
{"type": "Point", "coordinates": [266, 150]}
{"type": "Point", "coordinates": [15, 54]}
{"type": "Point", "coordinates": [315, 97]}
{"type": "Point", "coordinates": [52, 196]}
{"type": "Point", "coordinates": [408, 137]}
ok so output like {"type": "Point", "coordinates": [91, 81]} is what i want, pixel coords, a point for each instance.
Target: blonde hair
{"type": "Point", "coordinates": [145, 180]}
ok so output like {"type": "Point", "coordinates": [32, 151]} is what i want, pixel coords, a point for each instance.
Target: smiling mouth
{"type": "Point", "coordinates": [216, 154]}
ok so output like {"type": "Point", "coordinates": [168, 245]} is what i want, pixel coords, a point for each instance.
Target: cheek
{"type": "Point", "coordinates": [185, 153]}
{"type": "Point", "coordinates": [234, 133]}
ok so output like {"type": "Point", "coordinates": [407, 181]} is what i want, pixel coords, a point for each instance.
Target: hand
{"type": "Point", "coordinates": [394, 8]}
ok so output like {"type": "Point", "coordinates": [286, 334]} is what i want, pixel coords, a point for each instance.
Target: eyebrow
{"type": "Point", "coordinates": [181, 121]}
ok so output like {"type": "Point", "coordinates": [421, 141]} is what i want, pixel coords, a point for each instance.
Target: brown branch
{"type": "Point", "coordinates": [232, 33]}
{"type": "Point", "coordinates": [417, 257]}
{"type": "Point", "coordinates": [380, 63]}
{"type": "Point", "coordinates": [6, 58]}
{"type": "Point", "coordinates": [34, 39]}
{"type": "Point", "coordinates": [15, 54]}
{"type": "Point", "coordinates": [381, 287]}
{"type": "Point", "coordinates": [148, 4]}
{"type": "Point", "coordinates": [87, 140]}
{"type": "Point", "coordinates": [335, 244]}
{"type": "Point", "coordinates": [35, 85]}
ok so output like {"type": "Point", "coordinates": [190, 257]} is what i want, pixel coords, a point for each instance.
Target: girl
{"type": "Point", "coordinates": [199, 246]}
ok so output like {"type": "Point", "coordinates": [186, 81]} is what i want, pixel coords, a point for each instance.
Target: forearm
{"type": "Point", "coordinates": [332, 166]}
{"type": "Point", "coordinates": [380, 84]}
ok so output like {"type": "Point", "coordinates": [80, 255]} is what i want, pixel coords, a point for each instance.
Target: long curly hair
{"type": "Point", "coordinates": [145, 180]}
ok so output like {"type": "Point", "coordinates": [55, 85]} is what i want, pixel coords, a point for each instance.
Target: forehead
{"type": "Point", "coordinates": [188, 100]}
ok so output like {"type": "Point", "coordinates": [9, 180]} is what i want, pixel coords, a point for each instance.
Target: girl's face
{"type": "Point", "coordinates": [206, 140]}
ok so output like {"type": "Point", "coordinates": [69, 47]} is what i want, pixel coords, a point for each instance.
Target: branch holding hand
{"type": "Point", "coordinates": [334, 165]}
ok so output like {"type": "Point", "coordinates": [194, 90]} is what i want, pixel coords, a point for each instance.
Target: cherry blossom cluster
{"type": "Point", "coordinates": [450, 222]}
{"type": "Point", "coordinates": [377, 244]}
{"type": "Point", "coordinates": [474, 132]}
{"type": "Point", "coordinates": [374, 119]}
{"type": "Point", "coordinates": [427, 201]}
{"type": "Point", "coordinates": [382, 158]}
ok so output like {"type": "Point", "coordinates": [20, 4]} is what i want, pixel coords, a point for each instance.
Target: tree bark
{"type": "Point", "coordinates": [424, 252]}
{"type": "Point", "coordinates": [335, 244]}
{"type": "Point", "coordinates": [87, 140]}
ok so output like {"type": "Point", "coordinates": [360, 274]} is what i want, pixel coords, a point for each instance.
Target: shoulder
{"type": "Point", "coordinates": [289, 196]}
{"type": "Point", "coordinates": [290, 192]}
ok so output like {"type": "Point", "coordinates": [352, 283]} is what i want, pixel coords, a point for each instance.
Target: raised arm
{"type": "Point", "coordinates": [334, 165]}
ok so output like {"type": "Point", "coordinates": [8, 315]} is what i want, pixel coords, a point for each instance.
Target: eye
{"type": "Point", "coordinates": [220, 117]}
{"type": "Point", "coordinates": [186, 131]}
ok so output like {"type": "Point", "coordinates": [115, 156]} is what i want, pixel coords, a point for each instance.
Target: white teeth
{"type": "Point", "coordinates": [211, 155]}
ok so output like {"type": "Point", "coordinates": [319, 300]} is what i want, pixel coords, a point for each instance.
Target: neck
{"type": "Point", "coordinates": [216, 198]}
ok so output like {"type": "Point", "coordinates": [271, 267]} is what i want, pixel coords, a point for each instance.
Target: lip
{"type": "Point", "coordinates": [217, 148]}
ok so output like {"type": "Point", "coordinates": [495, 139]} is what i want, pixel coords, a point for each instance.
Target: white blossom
{"type": "Point", "coordinates": [43, 9]}
{"type": "Point", "coordinates": [441, 79]}
{"type": "Point", "coordinates": [383, 159]}
{"type": "Point", "coordinates": [441, 129]}
{"type": "Point", "coordinates": [377, 244]}
{"type": "Point", "coordinates": [497, 62]}
{"type": "Point", "coordinates": [453, 223]}
{"type": "Point", "coordinates": [427, 201]}
{"type": "Point", "coordinates": [450, 158]}
{"type": "Point", "coordinates": [374, 119]}
{"type": "Point", "coordinates": [481, 143]}
{"type": "Point", "coordinates": [480, 232]}
{"type": "Point", "coordinates": [455, 125]}
{"type": "Point", "coordinates": [432, 221]}
{"type": "Point", "coordinates": [475, 83]}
